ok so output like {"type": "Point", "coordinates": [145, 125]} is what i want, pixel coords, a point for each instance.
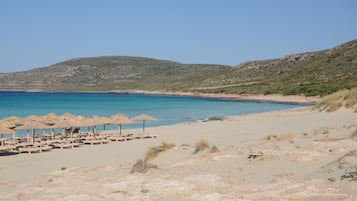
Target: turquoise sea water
{"type": "Point", "coordinates": [168, 109]}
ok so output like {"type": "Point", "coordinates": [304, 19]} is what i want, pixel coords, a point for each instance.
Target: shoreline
{"type": "Point", "coordinates": [271, 98]}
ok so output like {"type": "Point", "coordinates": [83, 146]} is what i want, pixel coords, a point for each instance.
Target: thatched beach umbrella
{"type": "Point", "coordinates": [51, 114]}
{"type": "Point", "coordinates": [32, 125]}
{"type": "Point", "coordinates": [106, 121]}
{"type": "Point", "coordinates": [91, 122]}
{"type": "Point", "coordinates": [66, 124]}
{"type": "Point", "coordinates": [121, 121]}
{"type": "Point", "coordinates": [68, 116]}
{"type": "Point", "coordinates": [6, 131]}
{"type": "Point", "coordinates": [144, 117]}
{"type": "Point", "coordinates": [98, 120]}
{"type": "Point", "coordinates": [50, 119]}
{"type": "Point", "coordinates": [7, 124]}
{"type": "Point", "coordinates": [14, 120]}
{"type": "Point", "coordinates": [119, 115]}
{"type": "Point", "coordinates": [32, 118]}
{"type": "Point", "coordinates": [79, 119]}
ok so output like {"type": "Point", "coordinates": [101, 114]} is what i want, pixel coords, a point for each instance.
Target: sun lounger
{"type": "Point", "coordinates": [6, 148]}
{"type": "Point", "coordinates": [65, 144]}
{"type": "Point", "coordinates": [92, 141]}
{"type": "Point", "coordinates": [30, 150]}
{"type": "Point", "coordinates": [23, 144]}
{"type": "Point", "coordinates": [62, 145]}
{"type": "Point", "coordinates": [45, 148]}
{"type": "Point", "coordinates": [117, 138]}
{"type": "Point", "coordinates": [149, 136]}
{"type": "Point", "coordinates": [144, 136]}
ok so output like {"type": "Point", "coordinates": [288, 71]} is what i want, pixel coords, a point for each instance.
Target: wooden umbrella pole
{"type": "Point", "coordinates": [33, 136]}
{"type": "Point", "coordinates": [143, 126]}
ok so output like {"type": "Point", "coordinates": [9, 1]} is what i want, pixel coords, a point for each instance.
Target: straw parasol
{"type": "Point", "coordinates": [13, 120]}
{"type": "Point", "coordinates": [119, 115]}
{"type": "Point", "coordinates": [97, 119]}
{"type": "Point", "coordinates": [7, 124]}
{"type": "Point", "coordinates": [68, 116]}
{"type": "Point", "coordinates": [121, 121]}
{"type": "Point", "coordinates": [32, 118]}
{"type": "Point", "coordinates": [106, 121]}
{"type": "Point", "coordinates": [50, 119]}
{"type": "Point", "coordinates": [32, 125]}
{"type": "Point", "coordinates": [144, 117]}
{"type": "Point", "coordinates": [6, 131]}
{"type": "Point", "coordinates": [79, 118]}
{"type": "Point", "coordinates": [91, 122]}
{"type": "Point", "coordinates": [65, 124]}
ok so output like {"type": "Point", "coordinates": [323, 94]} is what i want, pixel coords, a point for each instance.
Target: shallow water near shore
{"type": "Point", "coordinates": [168, 109]}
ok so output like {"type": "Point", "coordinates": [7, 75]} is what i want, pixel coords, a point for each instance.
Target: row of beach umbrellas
{"type": "Point", "coordinates": [66, 121]}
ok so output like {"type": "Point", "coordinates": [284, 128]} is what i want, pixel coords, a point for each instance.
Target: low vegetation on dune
{"type": "Point", "coordinates": [201, 146]}
{"type": "Point", "coordinates": [142, 166]}
{"type": "Point", "coordinates": [153, 152]}
{"type": "Point", "coordinates": [344, 98]}
{"type": "Point", "coordinates": [354, 135]}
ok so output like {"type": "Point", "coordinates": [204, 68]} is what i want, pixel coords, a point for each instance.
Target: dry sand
{"type": "Point", "coordinates": [278, 98]}
{"type": "Point", "coordinates": [295, 154]}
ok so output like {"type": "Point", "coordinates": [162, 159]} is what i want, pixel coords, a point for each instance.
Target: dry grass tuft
{"type": "Point", "coordinates": [214, 149]}
{"type": "Point", "coordinates": [351, 98]}
{"type": "Point", "coordinates": [154, 151]}
{"type": "Point", "coordinates": [333, 102]}
{"type": "Point", "coordinates": [354, 135]}
{"type": "Point", "coordinates": [270, 137]}
{"type": "Point", "coordinates": [200, 146]}
{"type": "Point", "coordinates": [142, 167]}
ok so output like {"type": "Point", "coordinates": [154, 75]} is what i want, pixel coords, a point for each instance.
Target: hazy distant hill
{"type": "Point", "coordinates": [111, 73]}
{"type": "Point", "coordinates": [312, 73]}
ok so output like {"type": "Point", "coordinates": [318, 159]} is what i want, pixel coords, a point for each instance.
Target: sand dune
{"type": "Point", "coordinates": [295, 154]}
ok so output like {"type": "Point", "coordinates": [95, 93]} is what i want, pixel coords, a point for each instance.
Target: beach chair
{"type": "Point", "coordinates": [30, 149]}
{"type": "Point", "coordinates": [61, 144]}
{"type": "Point", "coordinates": [144, 136]}
{"type": "Point", "coordinates": [117, 138]}
{"type": "Point", "coordinates": [45, 148]}
{"type": "Point", "coordinates": [7, 148]}
{"type": "Point", "coordinates": [92, 141]}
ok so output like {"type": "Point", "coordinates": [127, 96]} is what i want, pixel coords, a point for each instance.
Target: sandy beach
{"type": "Point", "coordinates": [297, 154]}
{"type": "Point", "coordinates": [274, 98]}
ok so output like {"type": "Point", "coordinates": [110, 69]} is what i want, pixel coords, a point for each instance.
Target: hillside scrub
{"type": "Point", "coordinates": [310, 74]}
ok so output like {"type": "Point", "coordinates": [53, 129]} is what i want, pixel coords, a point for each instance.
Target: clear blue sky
{"type": "Point", "coordinates": [38, 33]}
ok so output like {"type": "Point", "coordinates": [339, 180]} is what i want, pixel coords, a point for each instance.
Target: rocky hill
{"type": "Point", "coordinates": [111, 73]}
{"type": "Point", "coordinates": [312, 73]}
